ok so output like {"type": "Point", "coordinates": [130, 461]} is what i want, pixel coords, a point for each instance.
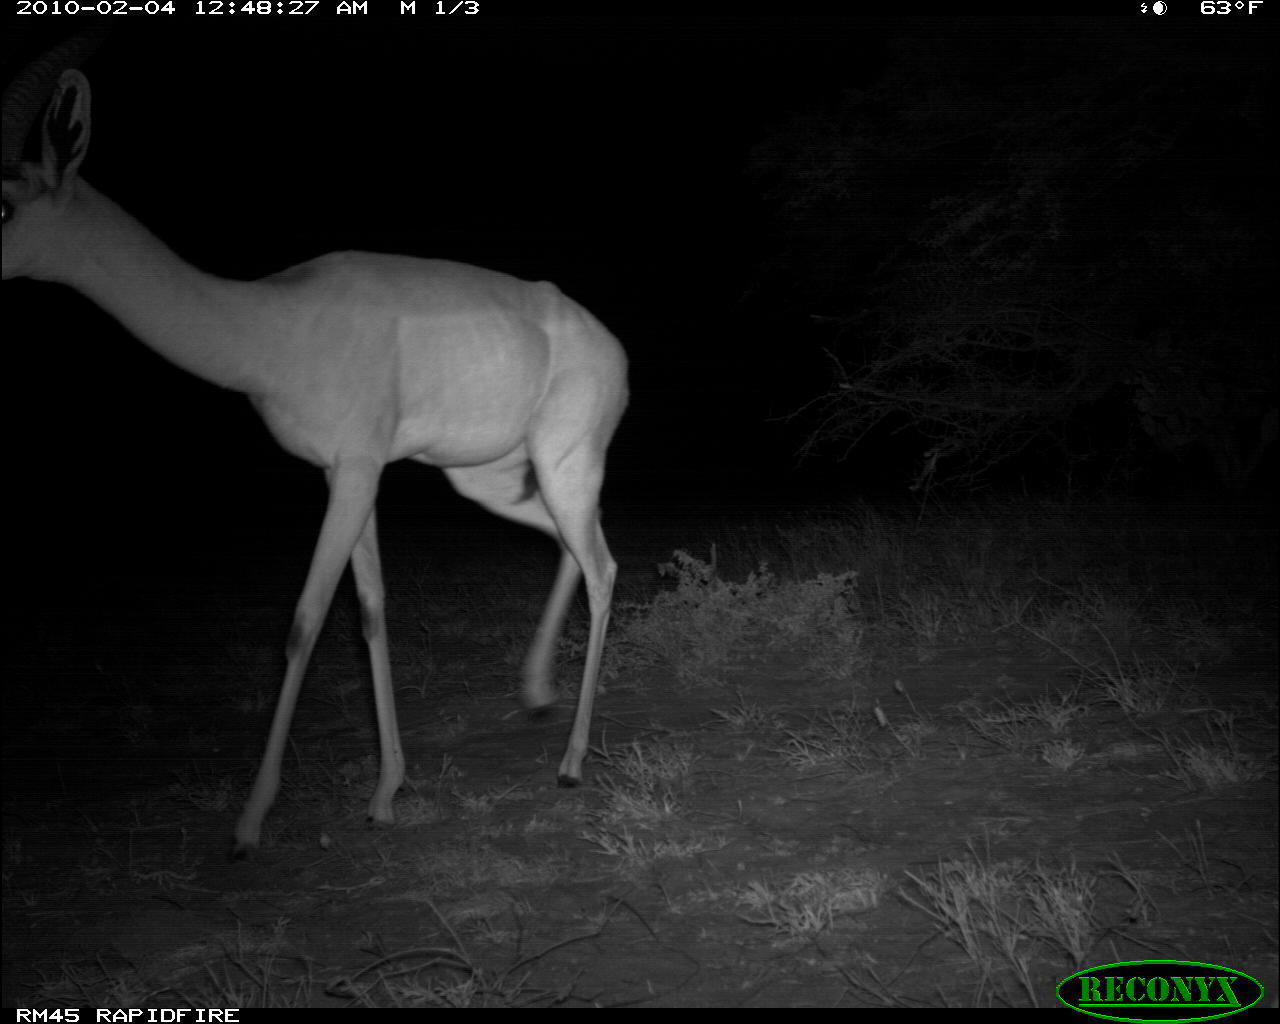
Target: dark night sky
{"type": "Point", "coordinates": [607, 155]}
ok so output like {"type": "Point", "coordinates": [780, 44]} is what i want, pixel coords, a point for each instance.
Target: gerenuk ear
{"type": "Point", "coordinates": [66, 130]}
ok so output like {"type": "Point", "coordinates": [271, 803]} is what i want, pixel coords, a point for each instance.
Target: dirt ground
{"type": "Point", "coordinates": [759, 837]}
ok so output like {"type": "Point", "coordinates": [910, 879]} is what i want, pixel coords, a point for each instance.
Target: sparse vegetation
{"type": "Point", "coordinates": [800, 755]}
{"type": "Point", "coordinates": [707, 624]}
{"type": "Point", "coordinates": [1003, 913]}
{"type": "Point", "coordinates": [811, 903]}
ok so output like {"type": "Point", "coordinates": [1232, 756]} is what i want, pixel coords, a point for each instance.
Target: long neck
{"type": "Point", "coordinates": [213, 328]}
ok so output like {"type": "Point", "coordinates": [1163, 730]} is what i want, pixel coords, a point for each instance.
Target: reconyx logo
{"type": "Point", "coordinates": [1172, 990]}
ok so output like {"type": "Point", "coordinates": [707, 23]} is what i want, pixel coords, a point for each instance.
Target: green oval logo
{"type": "Point", "coordinates": [1142, 990]}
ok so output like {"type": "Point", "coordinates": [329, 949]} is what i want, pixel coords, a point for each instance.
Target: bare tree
{"type": "Point", "coordinates": [1057, 243]}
